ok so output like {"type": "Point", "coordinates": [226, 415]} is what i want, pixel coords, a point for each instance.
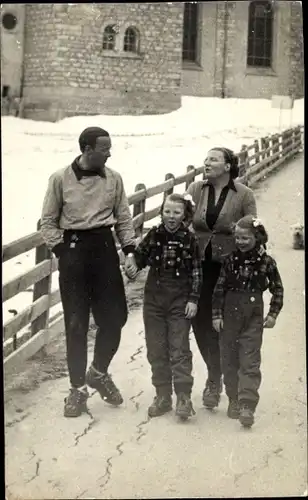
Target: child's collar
{"type": "Point", "coordinates": [254, 253]}
{"type": "Point", "coordinates": [181, 226]}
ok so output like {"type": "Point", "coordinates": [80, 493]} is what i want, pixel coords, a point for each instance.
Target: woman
{"type": "Point", "coordinates": [219, 204]}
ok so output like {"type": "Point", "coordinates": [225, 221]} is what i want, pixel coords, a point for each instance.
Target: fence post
{"type": "Point", "coordinates": [266, 146]}
{"type": "Point", "coordinates": [169, 191]}
{"type": "Point", "coordinates": [139, 208]}
{"type": "Point", "coordinates": [243, 161]}
{"type": "Point", "coordinates": [263, 146]}
{"type": "Point", "coordinates": [257, 149]}
{"type": "Point", "coordinates": [284, 141]}
{"type": "Point", "coordinates": [275, 144]}
{"type": "Point", "coordinates": [41, 288]}
{"type": "Point", "coordinates": [189, 169]}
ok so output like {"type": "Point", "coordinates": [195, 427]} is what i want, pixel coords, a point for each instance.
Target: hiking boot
{"type": "Point", "coordinates": [246, 416]}
{"type": "Point", "coordinates": [160, 405]}
{"type": "Point", "coordinates": [76, 402]}
{"type": "Point", "coordinates": [104, 384]}
{"type": "Point", "coordinates": [233, 409]}
{"type": "Point", "coordinates": [211, 396]}
{"type": "Point", "coordinates": [184, 407]}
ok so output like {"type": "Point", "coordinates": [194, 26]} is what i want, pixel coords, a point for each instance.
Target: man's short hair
{"type": "Point", "coordinates": [89, 135]}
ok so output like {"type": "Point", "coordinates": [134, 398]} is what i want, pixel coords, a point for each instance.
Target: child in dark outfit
{"type": "Point", "coordinates": [238, 315]}
{"type": "Point", "coordinates": [171, 295]}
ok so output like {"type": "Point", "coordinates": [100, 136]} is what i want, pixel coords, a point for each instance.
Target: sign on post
{"type": "Point", "coordinates": [283, 102]}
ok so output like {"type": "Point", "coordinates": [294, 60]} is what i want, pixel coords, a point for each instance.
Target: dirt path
{"type": "Point", "coordinates": [119, 453]}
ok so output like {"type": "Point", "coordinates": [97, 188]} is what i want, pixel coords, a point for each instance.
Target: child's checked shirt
{"type": "Point", "coordinates": [254, 271]}
{"type": "Point", "coordinates": [175, 255]}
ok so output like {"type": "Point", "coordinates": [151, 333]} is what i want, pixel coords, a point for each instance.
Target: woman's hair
{"type": "Point", "coordinates": [256, 227]}
{"type": "Point", "coordinates": [232, 159]}
{"type": "Point", "coordinates": [187, 204]}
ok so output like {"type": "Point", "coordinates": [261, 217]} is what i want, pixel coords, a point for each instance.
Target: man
{"type": "Point", "coordinates": [82, 203]}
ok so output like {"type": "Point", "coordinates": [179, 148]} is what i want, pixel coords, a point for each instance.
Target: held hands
{"type": "Point", "coordinates": [190, 310]}
{"type": "Point", "coordinates": [218, 325]}
{"type": "Point", "coordinates": [269, 322]}
{"type": "Point", "coordinates": [130, 267]}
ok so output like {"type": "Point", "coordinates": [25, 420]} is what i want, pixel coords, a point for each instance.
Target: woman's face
{"type": "Point", "coordinates": [215, 165]}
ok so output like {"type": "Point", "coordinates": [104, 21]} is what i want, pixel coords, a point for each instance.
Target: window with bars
{"type": "Point", "coordinates": [131, 40]}
{"type": "Point", "coordinates": [260, 34]}
{"type": "Point", "coordinates": [109, 37]}
{"type": "Point", "coordinates": [190, 32]}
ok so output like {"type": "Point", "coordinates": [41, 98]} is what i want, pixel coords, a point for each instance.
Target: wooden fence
{"type": "Point", "coordinates": [256, 161]}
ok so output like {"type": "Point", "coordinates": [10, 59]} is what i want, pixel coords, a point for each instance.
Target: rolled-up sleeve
{"type": "Point", "coordinates": [124, 223]}
{"type": "Point", "coordinates": [51, 212]}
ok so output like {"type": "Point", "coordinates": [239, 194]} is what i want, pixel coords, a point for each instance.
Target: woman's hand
{"type": "Point", "coordinates": [190, 310]}
{"type": "Point", "coordinates": [218, 325]}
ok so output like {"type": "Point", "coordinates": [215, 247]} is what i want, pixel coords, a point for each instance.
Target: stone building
{"type": "Point", "coordinates": [140, 58]}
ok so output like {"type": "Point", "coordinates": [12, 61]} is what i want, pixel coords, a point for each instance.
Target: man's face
{"type": "Point", "coordinates": [97, 157]}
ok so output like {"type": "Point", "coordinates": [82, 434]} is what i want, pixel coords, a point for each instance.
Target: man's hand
{"type": "Point", "coordinates": [130, 266]}
{"type": "Point", "coordinates": [269, 322]}
{"type": "Point", "coordinates": [190, 310]}
{"type": "Point", "coordinates": [218, 325]}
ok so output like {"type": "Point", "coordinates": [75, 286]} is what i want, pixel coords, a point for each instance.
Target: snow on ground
{"type": "Point", "coordinates": [144, 149]}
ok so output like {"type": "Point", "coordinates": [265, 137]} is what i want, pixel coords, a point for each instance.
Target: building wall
{"type": "Point", "coordinates": [198, 79]}
{"type": "Point", "coordinates": [210, 77]}
{"type": "Point", "coordinates": [296, 52]}
{"type": "Point", "coordinates": [12, 49]}
{"type": "Point", "coordinates": [243, 81]}
{"type": "Point", "coordinates": [67, 72]}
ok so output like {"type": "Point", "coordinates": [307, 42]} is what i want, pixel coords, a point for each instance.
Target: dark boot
{"type": "Point", "coordinates": [211, 395]}
{"type": "Point", "coordinates": [104, 384]}
{"type": "Point", "coordinates": [184, 407]}
{"type": "Point", "coordinates": [233, 409]}
{"type": "Point", "coordinates": [76, 402]}
{"type": "Point", "coordinates": [161, 404]}
{"type": "Point", "coordinates": [246, 416]}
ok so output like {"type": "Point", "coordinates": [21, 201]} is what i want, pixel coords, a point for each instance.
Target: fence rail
{"type": "Point", "coordinates": [255, 161]}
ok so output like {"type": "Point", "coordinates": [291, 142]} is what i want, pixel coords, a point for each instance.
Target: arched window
{"type": "Point", "coordinates": [109, 37]}
{"type": "Point", "coordinates": [190, 32]}
{"type": "Point", "coordinates": [260, 34]}
{"type": "Point", "coordinates": [131, 40]}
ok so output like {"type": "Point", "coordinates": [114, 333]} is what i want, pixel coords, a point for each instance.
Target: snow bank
{"type": "Point", "coordinates": [145, 148]}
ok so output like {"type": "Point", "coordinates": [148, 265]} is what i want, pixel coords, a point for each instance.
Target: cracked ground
{"type": "Point", "coordinates": [121, 453]}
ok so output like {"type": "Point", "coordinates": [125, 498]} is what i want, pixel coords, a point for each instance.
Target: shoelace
{"type": "Point", "coordinates": [75, 395]}
{"type": "Point", "coordinates": [184, 400]}
{"type": "Point", "coordinates": [108, 383]}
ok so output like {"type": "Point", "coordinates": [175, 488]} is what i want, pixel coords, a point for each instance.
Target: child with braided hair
{"type": "Point", "coordinates": [238, 315]}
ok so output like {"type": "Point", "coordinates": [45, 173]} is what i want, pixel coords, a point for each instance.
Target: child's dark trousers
{"type": "Point", "coordinates": [167, 334]}
{"type": "Point", "coordinates": [241, 341]}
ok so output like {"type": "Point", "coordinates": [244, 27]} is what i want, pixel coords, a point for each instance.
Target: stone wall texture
{"type": "Point", "coordinates": [297, 83]}
{"type": "Point", "coordinates": [67, 72]}
{"type": "Point", "coordinates": [55, 57]}
{"type": "Point", "coordinates": [222, 70]}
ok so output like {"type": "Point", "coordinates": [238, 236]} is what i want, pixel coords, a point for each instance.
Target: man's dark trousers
{"type": "Point", "coordinates": [90, 279]}
{"type": "Point", "coordinates": [241, 341]}
{"type": "Point", "coordinates": [167, 334]}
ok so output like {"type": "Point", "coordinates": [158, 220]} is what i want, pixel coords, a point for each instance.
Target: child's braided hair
{"type": "Point", "coordinates": [187, 202]}
{"type": "Point", "coordinates": [256, 227]}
